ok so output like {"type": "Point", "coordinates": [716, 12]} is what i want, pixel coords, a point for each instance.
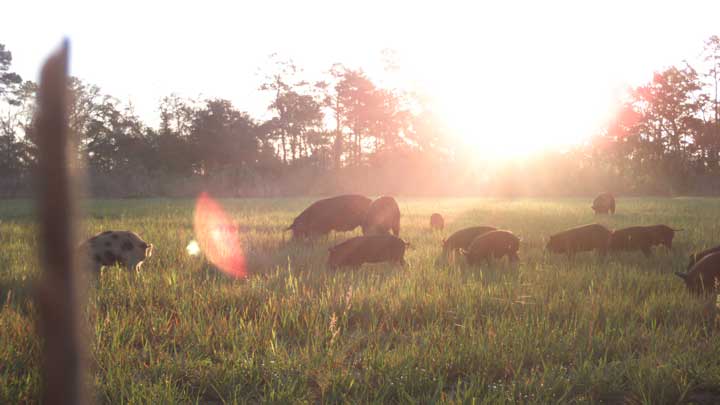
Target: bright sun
{"type": "Point", "coordinates": [547, 78]}
{"type": "Point", "coordinates": [507, 78]}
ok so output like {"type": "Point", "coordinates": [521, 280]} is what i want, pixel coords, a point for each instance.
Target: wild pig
{"type": "Point", "coordinates": [493, 244]}
{"type": "Point", "coordinates": [382, 216]}
{"type": "Point", "coordinates": [367, 249]}
{"type": "Point", "coordinates": [437, 222]}
{"type": "Point", "coordinates": [580, 239]}
{"type": "Point", "coordinates": [125, 248]}
{"type": "Point", "coordinates": [662, 235]}
{"type": "Point", "coordinates": [704, 276]}
{"type": "Point", "coordinates": [342, 213]}
{"type": "Point", "coordinates": [642, 238]}
{"type": "Point", "coordinates": [462, 238]}
{"type": "Point", "coordinates": [695, 257]}
{"type": "Point", "coordinates": [604, 203]}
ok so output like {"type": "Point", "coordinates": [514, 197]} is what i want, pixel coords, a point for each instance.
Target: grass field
{"type": "Point", "coordinates": [548, 330]}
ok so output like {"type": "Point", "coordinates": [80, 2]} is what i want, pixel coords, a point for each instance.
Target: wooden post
{"type": "Point", "coordinates": [57, 292]}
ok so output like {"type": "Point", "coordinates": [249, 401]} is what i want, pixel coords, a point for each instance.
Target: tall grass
{"type": "Point", "coordinates": [547, 330]}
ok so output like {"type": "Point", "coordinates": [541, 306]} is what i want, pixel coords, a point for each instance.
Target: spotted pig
{"type": "Point", "coordinates": [122, 247]}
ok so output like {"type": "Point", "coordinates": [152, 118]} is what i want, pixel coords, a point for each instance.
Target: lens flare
{"type": "Point", "coordinates": [217, 237]}
{"type": "Point", "coordinates": [193, 248]}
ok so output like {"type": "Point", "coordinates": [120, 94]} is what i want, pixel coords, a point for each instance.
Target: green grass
{"type": "Point", "coordinates": [548, 330]}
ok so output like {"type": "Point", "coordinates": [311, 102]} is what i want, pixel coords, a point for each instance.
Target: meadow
{"type": "Point", "coordinates": [550, 329]}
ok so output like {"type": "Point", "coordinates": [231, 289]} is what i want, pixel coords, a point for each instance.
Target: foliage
{"type": "Point", "coordinates": [344, 128]}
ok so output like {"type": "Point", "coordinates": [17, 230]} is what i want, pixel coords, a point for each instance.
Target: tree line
{"type": "Point", "coordinates": [346, 133]}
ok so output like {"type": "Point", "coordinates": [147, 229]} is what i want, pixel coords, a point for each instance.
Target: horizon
{"type": "Point", "coordinates": [475, 63]}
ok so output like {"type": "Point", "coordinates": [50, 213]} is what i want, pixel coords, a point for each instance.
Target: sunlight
{"type": "Point", "coordinates": [510, 78]}
{"type": "Point", "coordinates": [540, 82]}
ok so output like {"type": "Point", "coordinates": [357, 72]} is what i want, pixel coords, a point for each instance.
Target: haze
{"type": "Point", "coordinates": [570, 61]}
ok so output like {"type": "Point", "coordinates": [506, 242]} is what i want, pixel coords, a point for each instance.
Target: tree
{"type": "Point", "coordinates": [9, 81]}
{"type": "Point", "coordinates": [171, 144]}
{"type": "Point", "coordinates": [16, 125]}
{"type": "Point", "coordinates": [302, 116]}
{"type": "Point", "coordinates": [712, 141]}
{"type": "Point", "coordinates": [279, 83]}
{"type": "Point", "coordinates": [222, 137]}
{"type": "Point", "coordinates": [669, 120]}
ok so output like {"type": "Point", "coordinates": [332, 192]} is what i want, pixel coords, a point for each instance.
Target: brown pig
{"type": "Point", "coordinates": [461, 239]}
{"type": "Point", "coordinates": [493, 244]}
{"type": "Point", "coordinates": [642, 238]}
{"type": "Point", "coordinates": [437, 221]}
{"type": "Point", "coordinates": [341, 213]}
{"type": "Point", "coordinates": [382, 216]}
{"type": "Point", "coordinates": [580, 239]}
{"type": "Point", "coordinates": [356, 251]}
{"type": "Point", "coordinates": [604, 203]}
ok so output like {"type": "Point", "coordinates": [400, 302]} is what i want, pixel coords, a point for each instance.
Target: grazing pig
{"type": "Point", "coordinates": [492, 244]}
{"type": "Point", "coordinates": [662, 235]}
{"type": "Point", "coordinates": [110, 247]}
{"type": "Point", "coordinates": [580, 239]}
{"type": "Point", "coordinates": [342, 213]}
{"type": "Point", "coordinates": [367, 249]}
{"type": "Point", "coordinates": [642, 238]}
{"type": "Point", "coordinates": [604, 203]}
{"type": "Point", "coordinates": [462, 238]}
{"type": "Point", "coordinates": [382, 216]}
{"type": "Point", "coordinates": [437, 221]}
{"type": "Point", "coordinates": [704, 276]}
{"type": "Point", "coordinates": [695, 257]}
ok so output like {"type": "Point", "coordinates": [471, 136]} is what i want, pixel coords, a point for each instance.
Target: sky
{"type": "Point", "coordinates": [507, 77]}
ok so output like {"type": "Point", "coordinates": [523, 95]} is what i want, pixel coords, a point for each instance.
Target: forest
{"type": "Point", "coordinates": [347, 133]}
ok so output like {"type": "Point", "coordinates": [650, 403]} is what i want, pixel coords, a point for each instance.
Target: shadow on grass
{"type": "Point", "coordinates": [703, 395]}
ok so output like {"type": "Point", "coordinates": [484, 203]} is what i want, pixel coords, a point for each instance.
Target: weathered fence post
{"type": "Point", "coordinates": [57, 292]}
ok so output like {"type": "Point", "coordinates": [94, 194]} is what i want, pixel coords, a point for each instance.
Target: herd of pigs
{"type": "Point", "coordinates": [380, 242]}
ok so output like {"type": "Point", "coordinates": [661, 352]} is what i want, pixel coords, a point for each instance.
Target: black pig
{"type": "Point", "coordinates": [342, 213]}
{"type": "Point", "coordinates": [382, 216]}
{"type": "Point", "coordinates": [493, 244]}
{"type": "Point", "coordinates": [356, 251]}
{"type": "Point", "coordinates": [462, 238]}
{"type": "Point", "coordinates": [580, 239]}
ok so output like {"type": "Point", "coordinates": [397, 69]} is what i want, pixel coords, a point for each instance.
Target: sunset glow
{"type": "Point", "coordinates": [507, 78]}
